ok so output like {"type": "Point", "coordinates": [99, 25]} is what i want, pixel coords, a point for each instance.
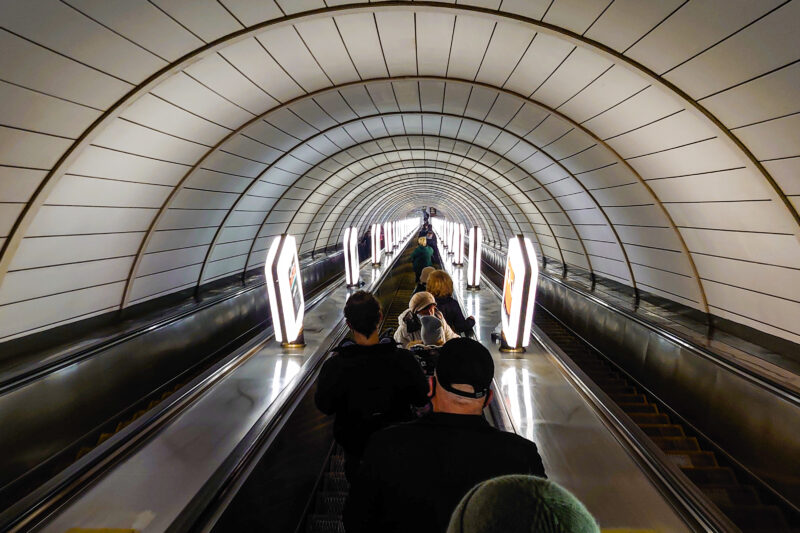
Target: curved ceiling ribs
{"type": "Point", "coordinates": [549, 177]}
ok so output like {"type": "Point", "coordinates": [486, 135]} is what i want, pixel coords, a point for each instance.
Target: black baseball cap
{"type": "Point", "coordinates": [468, 362]}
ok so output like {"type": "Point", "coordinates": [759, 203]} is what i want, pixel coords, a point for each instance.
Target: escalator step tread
{"type": "Point", "coordinates": [662, 430]}
{"type": "Point", "coordinates": [677, 443]}
{"type": "Point", "coordinates": [649, 418]}
{"type": "Point", "coordinates": [331, 503]}
{"type": "Point", "coordinates": [639, 408]}
{"type": "Point", "coordinates": [690, 459]}
{"type": "Point", "coordinates": [335, 481]}
{"type": "Point", "coordinates": [729, 495]}
{"type": "Point", "coordinates": [702, 476]}
{"type": "Point", "coordinates": [324, 524]}
{"type": "Point", "coordinates": [756, 516]}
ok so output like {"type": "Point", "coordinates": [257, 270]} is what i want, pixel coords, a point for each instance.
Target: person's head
{"type": "Point", "coordinates": [440, 284]}
{"type": "Point", "coordinates": [520, 504]}
{"type": "Point", "coordinates": [422, 241]}
{"type": "Point", "coordinates": [423, 276]}
{"type": "Point", "coordinates": [463, 378]}
{"type": "Point", "coordinates": [429, 236]}
{"type": "Point", "coordinates": [431, 332]}
{"type": "Point", "coordinates": [422, 303]}
{"type": "Point", "coordinates": [363, 314]}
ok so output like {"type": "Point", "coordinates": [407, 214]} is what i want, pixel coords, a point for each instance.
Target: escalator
{"type": "Point", "coordinates": [751, 507]}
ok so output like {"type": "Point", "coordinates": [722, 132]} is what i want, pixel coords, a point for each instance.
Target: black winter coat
{"type": "Point", "coordinates": [413, 475]}
{"type": "Point", "coordinates": [369, 388]}
{"type": "Point", "coordinates": [452, 313]}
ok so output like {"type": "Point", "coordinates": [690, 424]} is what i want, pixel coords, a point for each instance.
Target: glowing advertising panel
{"type": "Point", "coordinates": [351, 265]}
{"type": "Point", "coordinates": [474, 259]}
{"type": "Point", "coordinates": [376, 245]}
{"type": "Point", "coordinates": [519, 293]}
{"type": "Point", "coordinates": [285, 290]}
{"type": "Point", "coordinates": [387, 237]}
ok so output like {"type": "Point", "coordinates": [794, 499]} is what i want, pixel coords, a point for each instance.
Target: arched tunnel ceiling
{"type": "Point", "coordinates": [148, 147]}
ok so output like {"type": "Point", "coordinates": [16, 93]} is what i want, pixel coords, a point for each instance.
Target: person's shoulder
{"type": "Point", "coordinates": [512, 441]}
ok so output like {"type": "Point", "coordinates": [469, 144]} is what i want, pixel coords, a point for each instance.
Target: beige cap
{"type": "Point", "coordinates": [423, 277]}
{"type": "Point", "coordinates": [420, 301]}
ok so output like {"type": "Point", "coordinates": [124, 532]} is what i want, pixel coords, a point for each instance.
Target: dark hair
{"type": "Point", "coordinates": [362, 312]}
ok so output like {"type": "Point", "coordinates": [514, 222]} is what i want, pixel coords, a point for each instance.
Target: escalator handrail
{"type": "Point", "coordinates": [779, 389]}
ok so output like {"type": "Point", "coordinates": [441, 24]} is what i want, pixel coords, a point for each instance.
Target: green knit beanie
{"type": "Point", "coordinates": [521, 504]}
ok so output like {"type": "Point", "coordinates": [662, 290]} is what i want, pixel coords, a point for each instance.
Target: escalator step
{"type": "Point", "coordinates": [728, 495]}
{"type": "Point", "coordinates": [765, 517]}
{"type": "Point", "coordinates": [619, 389]}
{"type": "Point", "coordinates": [331, 503]}
{"type": "Point", "coordinates": [688, 459]}
{"type": "Point", "coordinates": [639, 408]}
{"type": "Point", "coordinates": [628, 398]}
{"type": "Point", "coordinates": [324, 524]}
{"type": "Point", "coordinates": [335, 482]}
{"type": "Point", "coordinates": [710, 476]}
{"type": "Point", "coordinates": [649, 418]}
{"type": "Point", "coordinates": [662, 430]}
{"type": "Point", "coordinates": [677, 443]}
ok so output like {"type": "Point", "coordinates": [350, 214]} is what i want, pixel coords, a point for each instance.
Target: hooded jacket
{"type": "Point", "coordinates": [369, 388]}
{"type": "Point", "coordinates": [403, 336]}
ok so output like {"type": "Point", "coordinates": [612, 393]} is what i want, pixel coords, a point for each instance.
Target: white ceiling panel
{"type": "Point", "coordinates": [126, 136]}
{"type": "Point", "coordinates": [693, 28]}
{"type": "Point", "coordinates": [250, 12]}
{"type": "Point", "coordinates": [287, 48]}
{"type": "Point", "coordinates": [253, 61]}
{"type": "Point", "coordinates": [470, 40]}
{"type": "Point", "coordinates": [207, 19]}
{"type": "Point", "coordinates": [396, 32]}
{"type": "Point", "coordinates": [360, 35]}
{"type": "Point", "coordinates": [18, 184]}
{"type": "Point", "coordinates": [643, 108]}
{"type": "Point", "coordinates": [774, 139]}
{"type": "Point", "coordinates": [175, 239]}
{"type": "Point", "coordinates": [544, 55]}
{"type": "Point", "coordinates": [773, 95]}
{"type": "Point", "coordinates": [505, 50]}
{"type": "Point", "coordinates": [156, 284]}
{"type": "Point", "coordinates": [322, 38]}
{"type": "Point", "coordinates": [434, 32]}
{"type": "Point", "coordinates": [142, 22]}
{"type": "Point", "coordinates": [572, 76]}
{"type": "Point", "coordinates": [673, 130]}
{"type": "Point", "coordinates": [534, 9]}
{"type": "Point", "coordinates": [756, 216]}
{"type": "Point", "coordinates": [23, 108]}
{"type": "Point", "coordinates": [39, 282]}
{"type": "Point", "coordinates": [785, 172]}
{"type": "Point", "coordinates": [221, 77]}
{"type": "Point", "coordinates": [163, 116]}
{"type": "Point", "coordinates": [154, 263]}
{"type": "Point", "coordinates": [75, 220]}
{"type": "Point", "coordinates": [26, 149]}
{"type": "Point", "coordinates": [33, 315]}
{"type": "Point", "coordinates": [728, 185]}
{"type": "Point", "coordinates": [611, 88]}
{"type": "Point", "coordinates": [767, 44]}
{"type": "Point", "coordinates": [188, 94]}
{"type": "Point", "coordinates": [55, 24]}
{"type": "Point", "coordinates": [626, 21]}
{"type": "Point", "coordinates": [79, 190]}
{"type": "Point", "coordinates": [575, 15]}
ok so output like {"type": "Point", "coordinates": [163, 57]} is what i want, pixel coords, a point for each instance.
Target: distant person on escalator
{"type": "Point", "coordinates": [423, 279]}
{"type": "Point", "coordinates": [430, 240]}
{"type": "Point", "coordinates": [421, 257]}
{"type": "Point", "coordinates": [368, 382]}
{"type": "Point", "coordinates": [440, 285]}
{"type": "Point", "coordinates": [409, 326]}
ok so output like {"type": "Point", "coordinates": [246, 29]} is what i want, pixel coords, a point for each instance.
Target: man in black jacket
{"type": "Point", "coordinates": [368, 383]}
{"type": "Point", "coordinates": [413, 475]}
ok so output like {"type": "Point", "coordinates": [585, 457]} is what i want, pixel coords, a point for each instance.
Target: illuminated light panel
{"type": "Point", "coordinates": [376, 245]}
{"type": "Point", "coordinates": [474, 259]}
{"type": "Point", "coordinates": [285, 289]}
{"type": "Point", "coordinates": [458, 244]}
{"type": "Point", "coordinates": [351, 264]}
{"type": "Point", "coordinates": [519, 292]}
